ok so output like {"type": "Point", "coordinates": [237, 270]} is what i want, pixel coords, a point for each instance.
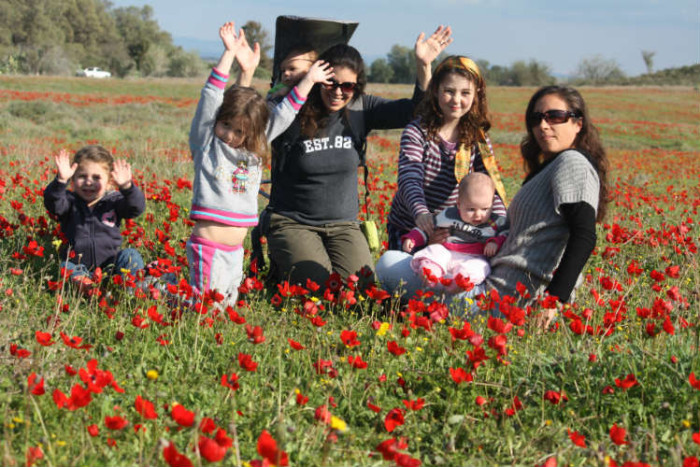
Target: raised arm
{"type": "Point", "coordinates": [283, 113]}
{"type": "Point", "coordinates": [232, 45]}
{"type": "Point", "coordinates": [202, 128]}
{"type": "Point", "coordinates": [427, 50]}
{"type": "Point", "coordinates": [56, 199]}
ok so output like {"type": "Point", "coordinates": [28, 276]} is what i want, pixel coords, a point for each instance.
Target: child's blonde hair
{"type": "Point", "coordinates": [249, 105]}
{"type": "Point", "coordinates": [94, 153]}
{"type": "Point", "coordinates": [299, 50]}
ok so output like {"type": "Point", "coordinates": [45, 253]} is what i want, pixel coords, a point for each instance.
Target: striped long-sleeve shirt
{"type": "Point", "coordinates": [426, 178]}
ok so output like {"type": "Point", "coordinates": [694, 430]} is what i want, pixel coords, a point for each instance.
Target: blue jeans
{"type": "Point", "coordinates": [128, 259]}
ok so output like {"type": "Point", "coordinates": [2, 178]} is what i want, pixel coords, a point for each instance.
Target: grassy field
{"type": "Point", "coordinates": [346, 377]}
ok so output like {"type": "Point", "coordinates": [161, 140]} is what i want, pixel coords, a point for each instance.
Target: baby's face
{"type": "Point", "coordinates": [294, 68]}
{"type": "Point", "coordinates": [475, 208]}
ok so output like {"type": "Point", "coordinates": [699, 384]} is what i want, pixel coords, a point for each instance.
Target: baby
{"type": "Point", "coordinates": [91, 214]}
{"type": "Point", "coordinates": [475, 233]}
{"type": "Point", "coordinates": [294, 66]}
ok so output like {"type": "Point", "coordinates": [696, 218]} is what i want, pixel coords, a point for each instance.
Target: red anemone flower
{"type": "Point", "coordinates": [357, 362]}
{"type": "Point", "coordinates": [255, 334]}
{"type": "Point", "coordinates": [694, 382]}
{"type": "Point", "coordinates": [295, 345]}
{"type": "Point", "coordinates": [267, 448]}
{"type": "Point", "coordinates": [349, 338]}
{"type": "Point", "coordinates": [395, 348]}
{"type": "Point", "coordinates": [35, 387]}
{"type": "Point", "coordinates": [182, 416]}
{"type": "Point", "coordinates": [555, 397]}
{"type": "Point", "coordinates": [230, 381]}
{"type": "Point", "coordinates": [116, 422]}
{"type": "Point", "coordinates": [210, 449]}
{"type": "Point", "coordinates": [459, 375]}
{"type": "Point", "coordinates": [617, 434]}
{"type": "Point", "coordinates": [145, 408]}
{"type": "Point", "coordinates": [393, 419]}
{"type": "Point", "coordinates": [414, 405]}
{"type": "Point", "coordinates": [629, 381]}
{"type": "Point", "coordinates": [44, 338]}
{"type": "Point", "coordinates": [246, 362]}
{"type": "Point", "coordinates": [175, 458]}
{"type": "Point", "coordinates": [577, 438]}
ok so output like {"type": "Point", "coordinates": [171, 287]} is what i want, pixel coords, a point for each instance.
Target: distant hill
{"type": "Point", "coordinates": [679, 76]}
{"type": "Point", "coordinates": [208, 50]}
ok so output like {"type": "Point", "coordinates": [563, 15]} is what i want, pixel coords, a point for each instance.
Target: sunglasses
{"type": "Point", "coordinates": [344, 87]}
{"type": "Point", "coordinates": [552, 117]}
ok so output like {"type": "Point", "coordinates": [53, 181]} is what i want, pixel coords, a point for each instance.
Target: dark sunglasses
{"type": "Point", "coordinates": [552, 117]}
{"type": "Point", "coordinates": [344, 87]}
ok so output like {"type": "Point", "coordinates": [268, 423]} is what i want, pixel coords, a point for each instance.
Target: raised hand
{"type": "Point", "coordinates": [427, 50]}
{"type": "Point", "coordinates": [121, 174]}
{"type": "Point", "coordinates": [248, 58]}
{"type": "Point", "coordinates": [320, 72]}
{"type": "Point", "coordinates": [63, 166]}
{"type": "Point", "coordinates": [227, 33]}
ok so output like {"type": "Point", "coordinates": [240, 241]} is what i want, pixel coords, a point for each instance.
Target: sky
{"type": "Point", "coordinates": [557, 33]}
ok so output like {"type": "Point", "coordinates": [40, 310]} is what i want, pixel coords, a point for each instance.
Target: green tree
{"type": "Point", "coordinates": [187, 64]}
{"type": "Point", "coordinates": [139, 32]}
{"type": "Point", "coordinates": [403, 64]}
{"type": "Point", "coordinates": [380, 71]}
{"type": "Point", "coordinates": [598, 70]}
{"type": "Point", "coordinates": [648, 57]}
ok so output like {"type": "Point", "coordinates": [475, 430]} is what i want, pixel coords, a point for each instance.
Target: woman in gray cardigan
{"type": "Point", "coordinates": [553, 215]}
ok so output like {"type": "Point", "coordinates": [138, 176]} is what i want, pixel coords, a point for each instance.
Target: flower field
{"type": "Point", "coordinates": [334, 374]}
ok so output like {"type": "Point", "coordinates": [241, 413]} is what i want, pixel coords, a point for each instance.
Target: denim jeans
{"type": "Point", "coordinates": [128, 259]}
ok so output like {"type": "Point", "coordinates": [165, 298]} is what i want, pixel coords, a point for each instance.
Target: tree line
{"type": "Point", "coordinates": [61, 36]}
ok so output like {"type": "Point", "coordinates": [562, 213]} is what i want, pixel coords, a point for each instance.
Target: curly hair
{"type": "Point", "coordinates": [475, 123]}
{"type": "Point", "coordinates": [587, 139]}
{"type": "Point", "coordinates": [314, 115]}
{"type": "Point", "coordinates": [247, 104]}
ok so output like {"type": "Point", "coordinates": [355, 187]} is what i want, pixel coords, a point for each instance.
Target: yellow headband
{"type": "Point", "coordinates": [465, 63]}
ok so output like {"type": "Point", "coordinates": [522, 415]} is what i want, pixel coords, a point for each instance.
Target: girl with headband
{"type": "Point", "coordinates": [447, 140]}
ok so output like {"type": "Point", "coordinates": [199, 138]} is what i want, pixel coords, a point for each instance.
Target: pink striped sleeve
{"type": "Point", "coordinates": [217, 78]}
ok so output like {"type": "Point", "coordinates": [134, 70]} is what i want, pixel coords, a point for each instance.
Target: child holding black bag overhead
{"type": "Point", "coordinates": [90, 215]}
{"type": "Point", "coordinates": [229, 141]}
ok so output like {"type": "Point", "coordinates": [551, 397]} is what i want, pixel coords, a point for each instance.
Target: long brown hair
{"type": "Point", "coordinates": [249, 105]}
{"type": "Point", "coordinates": [314, 115]}
{"type": "Point", "coordinates": [474, 124]}
{"type": "Point", "coordinates": [587, 139]}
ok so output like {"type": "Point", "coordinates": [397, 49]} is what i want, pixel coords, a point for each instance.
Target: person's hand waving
{"type": "Point", "coordinates": [427, 50]}
{"type": "Point", "coordinates": [121, 174]}
{"type": "Point", "coordinates": [64, 167]}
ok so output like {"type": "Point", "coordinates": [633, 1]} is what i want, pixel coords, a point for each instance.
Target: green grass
{"type": "Point", "coordinates": [652, 139]}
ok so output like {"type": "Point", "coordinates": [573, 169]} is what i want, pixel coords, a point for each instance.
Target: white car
{"type": "Point", "coordinates": [94, 72]}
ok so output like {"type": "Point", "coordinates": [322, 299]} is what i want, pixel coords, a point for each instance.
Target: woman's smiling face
{"type": "Point", "coordinates": [334, 98]}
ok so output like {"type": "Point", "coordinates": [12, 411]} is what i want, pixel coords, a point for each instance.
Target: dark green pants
{"type": "Point", "coordinates": [301, 252]}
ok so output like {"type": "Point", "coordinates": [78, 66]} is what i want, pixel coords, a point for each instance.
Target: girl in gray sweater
{"type": "Point", "coordinates": [228, 141]}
